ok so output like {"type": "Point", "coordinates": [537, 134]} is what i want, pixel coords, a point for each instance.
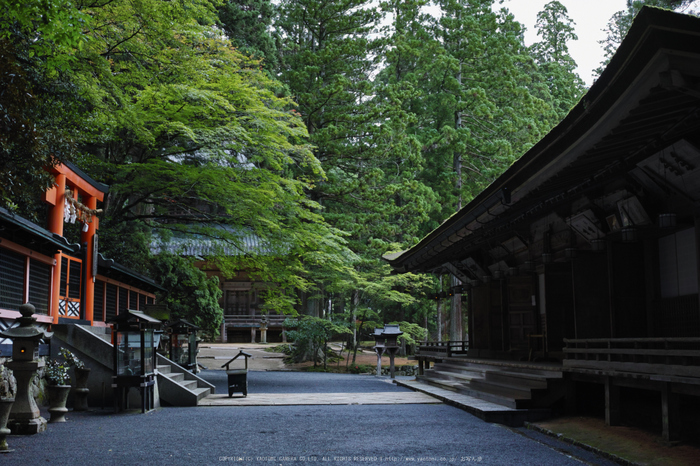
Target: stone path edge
{"type": "Point", "coordinates": [597, 451]}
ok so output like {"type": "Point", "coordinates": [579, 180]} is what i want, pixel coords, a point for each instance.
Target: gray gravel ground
{"type": "Point", "coordinates": [282, 435]}
{"type": "Point", "coordinates": [305, 382]}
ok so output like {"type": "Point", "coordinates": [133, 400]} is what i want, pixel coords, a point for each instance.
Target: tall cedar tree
{"type": "Point", "coordinates": [557, 66]}
{"type": "Point", "coordinates": [247, 24]}
{"type": "Point", "coordinates": [620, 23]}
{"type": "Point", "coordinates": [359, 133]}
{"type": "Point", "coordinates": [478, 109]}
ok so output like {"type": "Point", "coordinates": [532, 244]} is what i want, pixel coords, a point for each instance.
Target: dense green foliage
{"type": "Point", "coordinates": [311, 336]}
{"type": "Point", "coordinates": [188, 294]}
{"type": "Point", "coordinates": [331, 132]}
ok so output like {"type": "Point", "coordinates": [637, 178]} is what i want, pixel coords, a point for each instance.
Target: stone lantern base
{"type": "Point", "coordinates": [30, 427]}
{"type": "Point", "coordinates": [25, 418]}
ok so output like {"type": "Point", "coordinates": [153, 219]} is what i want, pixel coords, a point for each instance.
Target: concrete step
{"type": "Point", "coordinates": [179, 387]}
{"type": "Point", "coordinates": [175, 377]}
{"type": "Point", "coordinates": [442, 383]}
{"type": "Point", "coordinates": [202, 392]}
{"type": "Point", "coordinates": [455, 376]}
{"type": "Point", "coordinates": [189, 384]}
{"type": "Point", "coordinates": [514, 384]}
{"type": "Point", "coordinates": [453, 366]}
{"type": "Point", "coordinates": [548, 370]}
{"type": "Point", "coordinates": [483, 409]}
{"type": "Point", "coordinates": [521, 379]}
{"type": "Point", "coordinates": [517, 399]}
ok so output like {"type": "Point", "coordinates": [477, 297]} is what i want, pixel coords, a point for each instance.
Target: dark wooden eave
{"type": "Point", "coordinates": [25, 233]}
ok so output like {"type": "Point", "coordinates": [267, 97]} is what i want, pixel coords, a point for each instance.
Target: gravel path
{"type": "Point", "coordinates": [282, 435]}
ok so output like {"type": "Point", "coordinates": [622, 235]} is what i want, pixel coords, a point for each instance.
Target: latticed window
{"type": "Point", "coordinates": [111, 302]}
{"type": "Point", "coordinates": [69, 293]}
{"type": "Point", "coordinates": [11, 279]}
{"type": "Point", "coordinates": [39, 285]}
{"type": "Point", "coordinates": [237, 302]}
{"type": "Point", "coordinates": [123, 300]}
{"type": "Point", "coordinates": [99, 301]}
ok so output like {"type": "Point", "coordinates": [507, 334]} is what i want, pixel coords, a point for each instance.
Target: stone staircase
{"type": "Point", "coordinates": [178, 386]}
{"type": "Point", "coordinates": [532, 388]}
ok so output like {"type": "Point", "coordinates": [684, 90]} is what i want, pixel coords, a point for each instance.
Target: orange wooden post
{"type": "Point", "coordinates": [87, 237]}
{"type": "Point", "coordinates": [56, 197]}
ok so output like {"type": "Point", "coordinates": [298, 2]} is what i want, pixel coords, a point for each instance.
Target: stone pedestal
{"type": "Point", "coordinates": [58, 395]}
{"type": "Point", "coordinates": [25, 418]}
{"type": "Point", "coordinates": [392, 353]}
{"type": "Point", "coordinates": [380, 351]}
{"type": "Point", "coordinates": [5, 408]}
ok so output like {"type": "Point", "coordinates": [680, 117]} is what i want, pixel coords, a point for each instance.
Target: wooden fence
{"type": "Point", "coordinates": [442, 348]}
{"type": "Point", "coordinates": [666, 357]}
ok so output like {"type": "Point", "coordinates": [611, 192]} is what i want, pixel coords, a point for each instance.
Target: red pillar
{"type": "Point", "coordinates": [56, 226]}
{"type": "Point", "coordinates": [87, 237]}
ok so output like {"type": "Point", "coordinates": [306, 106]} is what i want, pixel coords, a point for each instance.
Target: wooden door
{"type": "Point", "coordinates": [521, 312]}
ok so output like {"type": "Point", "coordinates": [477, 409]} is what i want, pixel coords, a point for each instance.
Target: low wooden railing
{"type": "Point", "coordinates": [673, 357]}
{"type": "Point", "coordinates": [254, 320]}
{"type": "Point", "coordinates": [443, 348]}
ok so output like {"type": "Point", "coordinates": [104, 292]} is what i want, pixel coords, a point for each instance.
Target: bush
{"type": "Point", "coordinates": [190, 294]}
{"type": "Point", "coordinates": [311, 336]}
{"type": "Point", "coordinates": [362, 369]}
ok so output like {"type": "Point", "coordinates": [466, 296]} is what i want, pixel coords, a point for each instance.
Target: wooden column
{"type": "Point", "coordinates": [612, 403]}
{"type": "Point", "coordinates": [456, 318]}
{"type": "Point", "coordinates": [697, 254]}
{"type": "Point", "coordinates": [439, 319]}
{"type": "Point", "coordinates": [611, 287]}
{"type": "Point", "coordinates": [55, 224]}
{"type": "Point", "coordinates": [88, 238]}
{"type": "Point", "coordinates": [223, 337]}
{"type": "Point", "coordinates": [570, 397]}
{"type": "Point", "coordinates": [670, 414]}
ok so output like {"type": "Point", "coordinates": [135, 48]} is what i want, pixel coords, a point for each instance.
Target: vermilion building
{"type": "Point", "coordinates": [67, 283]}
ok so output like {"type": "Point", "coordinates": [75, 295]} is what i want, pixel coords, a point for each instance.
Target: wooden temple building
{"type": "Point", "coordinates": [67, 283]}
{"type": "Point", "coordinates": [242, 298]}
{"type": "Point", "coordinates": [584, 254]}
{"type": "Point", "coordinates": [75, 290]}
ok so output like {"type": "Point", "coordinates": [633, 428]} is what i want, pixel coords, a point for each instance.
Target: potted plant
{"type": "Point", "coordinates": [7, 399]}
{"type": "Point", "coordinates": [81, 376]}
{"type": "Point", "coordinates": [56, 375]}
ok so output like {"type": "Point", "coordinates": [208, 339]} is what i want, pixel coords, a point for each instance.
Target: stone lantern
{"type": "Point", "coordinates": [392, 332]}
{"type": "Point", "coordinates": [263, 328]}
{"type": "Point", "coordinates": [134, 358]}
{"type": "Point", "coordinates": [379, 347]}
{"type": "Point", "coordinates": [25, 418]}
{"type": "Point", "coordinates": [386, 339]}
{"type": "Point", "coordinates": [183, 343]}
